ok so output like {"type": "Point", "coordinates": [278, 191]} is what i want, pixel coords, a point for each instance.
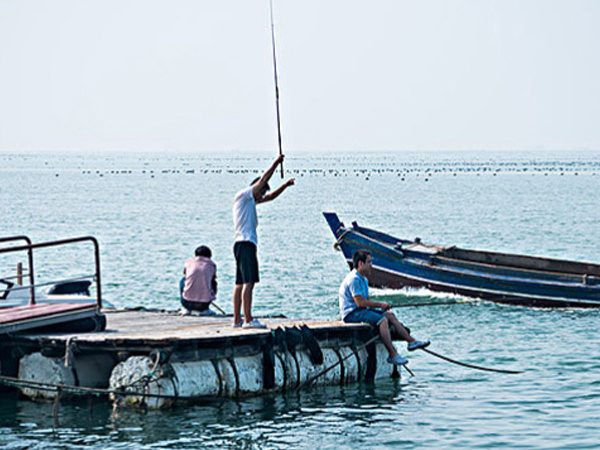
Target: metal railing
{"type": "Point", "coordinates": [30, 246]}
{"type": "Point", "coordinates": [29, 260]}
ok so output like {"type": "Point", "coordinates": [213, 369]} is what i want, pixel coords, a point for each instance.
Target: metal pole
{"type": "Point", "coordinates": [31, 275]}
{"type": "Point", "coordinates": [29, 259]}
{"type": "Point", "coordinates": [98, 280]}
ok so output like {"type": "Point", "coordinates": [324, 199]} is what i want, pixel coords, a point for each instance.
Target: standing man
{"type": "Point", "coordinates": [356, 306]}
{"type": "Point", "coordinates": [245, 221]}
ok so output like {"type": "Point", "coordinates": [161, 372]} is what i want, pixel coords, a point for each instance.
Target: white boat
{"type": "Point", "coordinates": [61, 305]}
{"type": "Point", "coordinates": [78, 291]}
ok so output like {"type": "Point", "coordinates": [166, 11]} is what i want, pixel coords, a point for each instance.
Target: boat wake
{"type": "Point", "coordinates": [415, 295]}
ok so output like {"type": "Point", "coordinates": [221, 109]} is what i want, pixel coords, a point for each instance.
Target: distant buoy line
{"type": "Point", "coordinates": [404, 171]}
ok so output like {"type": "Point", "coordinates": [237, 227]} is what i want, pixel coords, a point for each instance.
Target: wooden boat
{"type": "Point", "coordinates": [500, 277]}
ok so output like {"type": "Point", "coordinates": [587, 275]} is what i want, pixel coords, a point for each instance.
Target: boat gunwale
{"type": "Point", "coordinates": [440, 255]}
{"type": "Point", "coordinates": [476, 290]}
{"type": "Point", "coordinates": [580, 287]}
{"type": "Point", "coordinates": [494, 276]}
{"type": "Point", "coordinates": [501, 266]}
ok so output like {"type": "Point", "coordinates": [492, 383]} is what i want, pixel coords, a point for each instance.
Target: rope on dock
{"type": "Point", "coordinates": [69, 352]}
{"type": "Point", "coordinates": [98, 392]}
{"type": "Point", "coordinates": [150, 376]}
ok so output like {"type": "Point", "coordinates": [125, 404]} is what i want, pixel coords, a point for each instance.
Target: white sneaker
{"type": "Point", "coordinates": [185, 312]}
{"type": "Point", "coordinates": [254, 324]}
{"type": "Point", "coordinates": [239, 324]}
{"type": "Point", "coordinates": [398, 360]}
{"type": "Point", "coordinates": [415, 345]}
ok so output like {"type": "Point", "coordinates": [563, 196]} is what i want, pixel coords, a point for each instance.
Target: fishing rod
{"type": "Point", "coordinates": [435, 303]}
{"type": "Point", "coordinates": [276, 84]}
{"type": "Point", "coordinates": [453, 361]}
{"type": "Point", "coordinates": [327, 369]}
{"type": "Point", "coordinates": [470, 366]}
{"type": "Point", "coordinates": [219, 308]}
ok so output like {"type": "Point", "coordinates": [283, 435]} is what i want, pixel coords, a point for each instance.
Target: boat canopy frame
{"type": "Point", "coordinates": [29, 247]}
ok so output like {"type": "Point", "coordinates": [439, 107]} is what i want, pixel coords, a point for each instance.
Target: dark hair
{"type": "Point", "coordinates": [203, 250]}
{"type": "Point", "coordinates": [360, 256]}
{"type": "Point", "coordinates": [258, 179]}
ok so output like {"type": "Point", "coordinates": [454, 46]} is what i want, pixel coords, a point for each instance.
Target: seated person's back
{"type": "Point", "coordinates": [200, 281]}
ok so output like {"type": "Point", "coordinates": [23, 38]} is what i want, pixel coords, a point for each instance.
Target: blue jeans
{"type": "Point", "coordinates": [372, 316]}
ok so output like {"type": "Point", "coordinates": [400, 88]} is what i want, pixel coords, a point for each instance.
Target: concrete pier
{"type": "Point", "coordinates": [172, 358]}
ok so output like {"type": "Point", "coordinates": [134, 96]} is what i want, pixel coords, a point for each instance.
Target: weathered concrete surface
{"type": "Point", "coordinates": [42, 369]}
{"type": "Point", "coordinates": [232, 377]}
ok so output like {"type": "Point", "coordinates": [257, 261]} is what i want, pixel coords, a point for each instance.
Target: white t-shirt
{"type": "Point", "coordinates": [245, 219]}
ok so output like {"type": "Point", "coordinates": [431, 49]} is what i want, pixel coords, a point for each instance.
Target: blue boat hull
{"type": "Point", "coordinates": [514, 279]}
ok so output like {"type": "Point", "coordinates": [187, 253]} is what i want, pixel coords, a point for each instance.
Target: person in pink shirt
{"type": "Point", "coordinates": [199, 284]}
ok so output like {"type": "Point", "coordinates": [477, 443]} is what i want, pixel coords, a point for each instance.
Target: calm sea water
{"type": "Point", "coordinates": [149, 212]}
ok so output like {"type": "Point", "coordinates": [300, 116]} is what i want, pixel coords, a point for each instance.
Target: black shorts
{"type": "Point", "coordinates": [246, 262]}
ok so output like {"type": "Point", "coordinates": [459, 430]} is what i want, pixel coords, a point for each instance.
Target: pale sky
{"type": "Point", "coordinates": [379, 75]}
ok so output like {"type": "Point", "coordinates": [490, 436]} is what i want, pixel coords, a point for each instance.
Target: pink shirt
{"type": "Point", "coordinates": [199, 272]}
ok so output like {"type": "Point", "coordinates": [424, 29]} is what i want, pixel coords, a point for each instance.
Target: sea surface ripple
{"type": "Point", "coordinates": [149, 212]}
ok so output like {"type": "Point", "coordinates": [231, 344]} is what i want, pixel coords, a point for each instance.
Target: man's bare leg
{"type": "Point", "coordinates": [247, 301]}
{"type": "Point", "coordinates": [398, 327]}
{"type": "Point", "coordinates": [237, 303]}
{"type": "Point", "coordinates": [384, 332]}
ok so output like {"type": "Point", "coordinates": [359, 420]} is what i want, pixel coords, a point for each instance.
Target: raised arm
{"type": "Point", "coordinates": [273, 195]}
{"type": "Point", "coordinates": [264, 180]}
